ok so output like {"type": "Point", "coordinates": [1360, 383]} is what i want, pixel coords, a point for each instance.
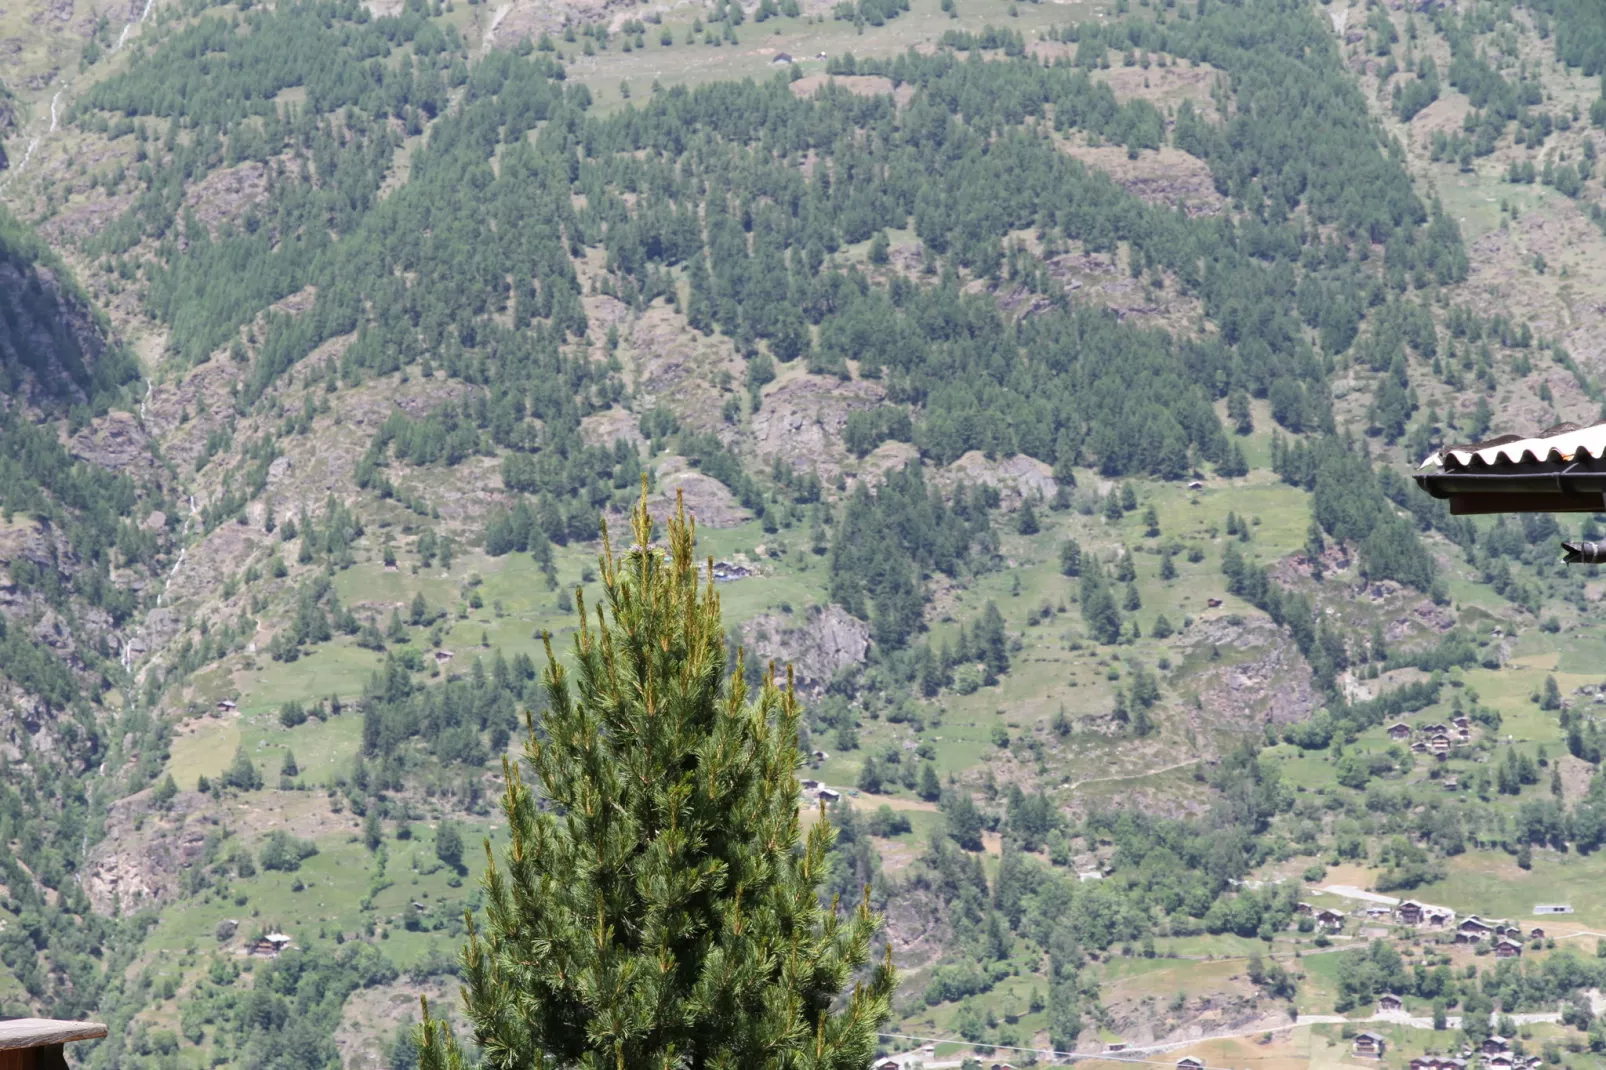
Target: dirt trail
{"type": "Point", "coordinates": [1135, 776]}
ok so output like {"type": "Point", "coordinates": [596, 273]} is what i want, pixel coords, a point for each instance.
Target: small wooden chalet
{"type": "Point", "coordinates": [269, 945]}
{"type": "Point", "coordinates": [1369, 1045]}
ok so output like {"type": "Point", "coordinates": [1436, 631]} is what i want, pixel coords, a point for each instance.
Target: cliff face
{"type": "Point", "coordinates": [54, 350]}
{"type": "Point", "coordinates": [82, 540]}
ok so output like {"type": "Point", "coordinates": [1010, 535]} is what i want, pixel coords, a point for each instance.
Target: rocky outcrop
{"type": "Point", "coordinates": [49, 340]}
{"type": "Point", "coordinates": [802, 419]}
{"type": "Point", "coordinates": [820, 644]}
{"type": "Point", "coordinates": [146, 851]}
{"type": "Point", "coordinates": [708, 500]}
{"type": "Point", "coordinates": [1015, 477]}
{"type": "Point", "coordinates": [372, 1016]}
{"type": "Point", "coordinates": [606, 428]}
{"type": "Point", "coordinates": [228, 193]}
{"type": "Point", "coordinates": [1266, 682]}
{"type": "Point", "coordinates": [117, 443]}
{"type": "Point", "coordinates": [885, 459]}
{"type": "Point", "coordinates": [680, 369]}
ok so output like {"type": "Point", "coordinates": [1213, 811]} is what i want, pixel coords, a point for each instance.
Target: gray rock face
{"type": "Point", "coordinates": [818, 645]}
{"type": "Point", "coordinates": [145, 852]}
{"type": "Point", "coordinates": [50, 322]}
{"type": "Point", "coordinates": [117, 443]}
{"type": "Point", "coordinates": [1015, 478]}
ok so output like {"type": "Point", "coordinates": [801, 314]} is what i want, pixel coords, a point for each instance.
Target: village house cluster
{"type": "Point", "coordinates": [1435, 739]}
{"type": "Point", "coordinates": [1410, 912]}
{"type": "Point", "coordinates": [1493, 1054]}
{"type": "Point", "coordinates": [1507, 937]}
{"type": "Point", "coordinates": [813, 789]}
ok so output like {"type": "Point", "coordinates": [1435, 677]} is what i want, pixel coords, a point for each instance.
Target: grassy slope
{"type": "Point", "coordinates": [1048, 675]}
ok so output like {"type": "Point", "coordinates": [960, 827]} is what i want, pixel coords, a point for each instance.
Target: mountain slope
{"type": "Point", "coordinates": [1043, 393]}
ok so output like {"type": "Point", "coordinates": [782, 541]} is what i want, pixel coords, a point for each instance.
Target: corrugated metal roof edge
{"type": "Point", "coordinates": [1562, 443]}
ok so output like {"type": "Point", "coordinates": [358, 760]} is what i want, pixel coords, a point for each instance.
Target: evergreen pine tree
{"type": "Point", "coordinates": [992, 640]}
{"type": "Point", "coordinates": [1243, 422]}
{"type": "Point", "coordinates": [1235, 464]}
{"type": "Point", "coordinates": [242, 772]}
{"type": "Point", "coordinates": [1026, 521]}
{"type": "Point", "coordinates": [964, 820]}
{"type": "Point", "coordinates": [657, 905]}
{"type": "Point", "coordinates": [1099, 608]}
{"type": "Point", "coordinates": [1070, 558]}
{"type": "Point", "coordinates": [1141, 724]}
{"type": "Point", "coordinates": [449, 845]}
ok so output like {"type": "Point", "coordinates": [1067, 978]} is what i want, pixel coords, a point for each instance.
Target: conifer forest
{"type": "Point", "coordinates": [798, 533]}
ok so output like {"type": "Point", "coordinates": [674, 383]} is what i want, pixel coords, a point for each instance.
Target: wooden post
{"type": "Point", "coordinates": [36, 1043]}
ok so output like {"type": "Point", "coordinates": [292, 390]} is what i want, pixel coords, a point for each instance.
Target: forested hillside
{"type": "Point", "coordinates": [75, 560]}
{"type": "Point", "coordinates": [1044, 379]}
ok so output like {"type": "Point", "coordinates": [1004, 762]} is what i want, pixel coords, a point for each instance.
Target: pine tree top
{"type": "Point", "coordinates": [657, 904]}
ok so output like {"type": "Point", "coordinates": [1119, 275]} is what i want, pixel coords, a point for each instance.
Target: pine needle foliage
{"type": "Point", "coordinates": [657, 906]}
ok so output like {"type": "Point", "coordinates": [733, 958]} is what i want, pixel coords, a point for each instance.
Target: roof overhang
{"type": "Point", "coordinates": [1560, 471]}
